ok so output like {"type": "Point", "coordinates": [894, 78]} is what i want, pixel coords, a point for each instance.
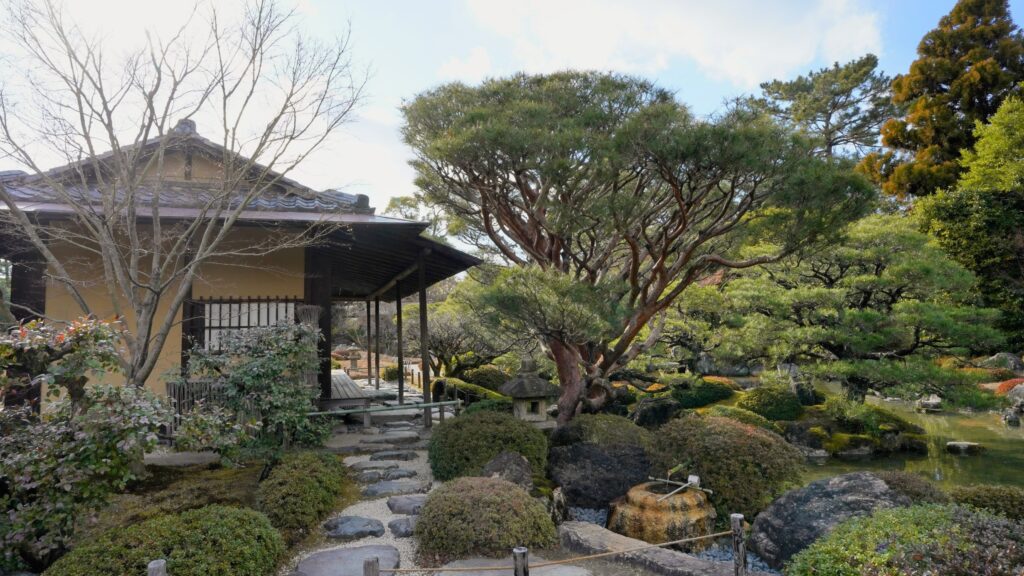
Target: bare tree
{"type": "Point", "coordinates": [276, 97]}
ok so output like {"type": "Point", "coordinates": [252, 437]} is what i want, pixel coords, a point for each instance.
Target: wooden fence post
{"type": "Point", "coordinates": [739, 545]}
{"type": "Point", "coordinates": [371, 566]}
{"type": "Point", "coordinates": [157, 568]}
{"type": "Point", "coordinates": [520, 561]}
{"type": "Point", "coordinates": [428, 418]}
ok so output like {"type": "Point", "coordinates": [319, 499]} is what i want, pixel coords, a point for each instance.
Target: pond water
{"type": "Point", "coordinates": [1001, 463]}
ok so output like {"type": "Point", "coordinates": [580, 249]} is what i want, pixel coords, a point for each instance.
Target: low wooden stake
{"type": "Point", "coordinates": [520, 561]}
{"type": "Point", "coordinates": [739, 545]}
{"type": "Point", "coordinates": [157, 568]}
{"type": "Point", "coordinates": [371, 566]}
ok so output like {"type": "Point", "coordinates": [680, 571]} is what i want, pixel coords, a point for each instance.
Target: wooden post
{"type": "Point", "coordinates": [157, 568]}
{"type": "Point", "coordinates": [376, 331]}
{"type": "Point", "coordinates": [369, 339]}
{"type": "Point", "coordinates": [424, 333]}
{"type": "Point", "coordinates": [371, 566]}
{"type": "Point", "coordinates": [739, 545]}
{"type": "Point", "coordinates": [401, 345]}
{"type": "Point", "coordinates": [428, 418]}
{"type": "Point", "coordinates": [520, 561]}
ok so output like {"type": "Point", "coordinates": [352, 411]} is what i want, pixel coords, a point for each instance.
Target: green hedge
{"type": "Point", "coordinates": [390, 373]}
{"type": "Point", "coordinates": [744, 466]}
{"type": "Point", "coordinates": [211, 541]}
{"type": "Point", "coordinates": [700, 393]}
{"type": "Point", "coordinates": [462, 446]}
{"type": "Point", "coordinates": [742, 415]}
{"type": "Point", "coordinates": [490, 377]}
{"type": "Point", "coordinates": [924, 539]}
{"type": "Point", "coordinates": [481, 516]}
{"type": "Point", "coordinates": [919, 489]}
{"type": "Point", "coordinates": [1004, 500]}
{"type": "Point", "coordinates": [302, 490]}
{"type": "Point", "coordinates": [502, 405]}
{"type": "Point", "coordinates": [772, 402]}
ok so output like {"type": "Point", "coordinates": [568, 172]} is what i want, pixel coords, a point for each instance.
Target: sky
{"type": "Point", "coordinates": [705, 51]}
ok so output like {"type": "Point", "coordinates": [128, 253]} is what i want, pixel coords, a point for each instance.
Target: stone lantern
{"type": "Point", "coordinates": [531, 395]}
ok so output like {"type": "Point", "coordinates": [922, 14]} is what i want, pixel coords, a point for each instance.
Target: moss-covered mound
{"type": "Point", "coordinates": [772, 402]}
{"type": "Point", "coordinates": [453, 388]}
{"type": "Point", "coordinates": [490, 377]}
{"type": "Point", "coordinates": [1004, 500]}
{"type": "Point", "coordinates": [744, 465]}
{"type": "Point", "coordinates": [210, 541]}
{"type": "Point", "coordinates": [923, 539]}
{"type": "Point", "coordinates": [462, 446]}
{"type": "Point", "coordinates": [745, 416]}
{"type": "Point", "coordinates": [603, 430]}
{"type": "Point", "coordinates": [481, 517]}
{"type": "Point", "coordinates": [302, 490]}
{"type": "Point", "coordinates": [701, 392]}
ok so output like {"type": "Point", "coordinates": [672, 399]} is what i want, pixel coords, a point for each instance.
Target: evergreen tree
{"type": "Point", "coordinates": [841, 107]}
{"type": "Point", "coordinates": [980, 222]}
{"type": "Point", "coordinates": [965, 69]}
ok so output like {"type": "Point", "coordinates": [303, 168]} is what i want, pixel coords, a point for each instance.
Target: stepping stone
{"type": "Point", "coordinates": [398, 474]}
{"type": "Point", "coordinates": [410, 504]}
{"type": "Point", "coordinates": [397, 425]}
{"type": "Point", "coordinates": [395, 487]}
{"type": "Point", "coordinates": [347, 560]}
{"type": "Point", "coordinates": [400, 437]}
{"type": "Point", "coordinates": [395, 455]}
{"type": "Point", "coordinates": [381, 394]}
{"type": "Point", "coordinates": [373, 465]}
{"type": "Point", "coordinates": [402, 527]}
{"type": "Point", "coordinates": [353, 527]}
{"type": "Point", "coordinates": [369, 476]}
{"type": "Point", "coordinates": [464, 568]}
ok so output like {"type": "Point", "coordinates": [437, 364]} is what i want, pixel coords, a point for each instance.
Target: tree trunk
{"type": "Point", "coordinates": [571, 379]}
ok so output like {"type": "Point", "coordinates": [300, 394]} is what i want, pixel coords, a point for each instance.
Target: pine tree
{"type": "Point", "coordinates": [841, 107]}
{"type": "Point", "coordinates": [965, 69]}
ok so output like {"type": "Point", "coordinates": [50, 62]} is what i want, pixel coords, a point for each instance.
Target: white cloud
{"type": "Point", "coordinates": [741, 42]}
{"type": "Point", "coordinates": [474, 67]}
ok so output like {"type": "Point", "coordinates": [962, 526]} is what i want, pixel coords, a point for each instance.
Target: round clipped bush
{"type": "Point", "coordinates": [745, 416]}
{"type": "Point", "coordinates": [390, 373]}
{"type": "Point", "coordinates": [211, 541]}
{"type": "Point", "coordinates": [1004, 500]}
{"type": "Point", "coordinates": [601, 429]}
{"type": "Point", "coordinates": [302, 490]}
{"type": "Point", "coordinates": [481, 517]}
{"type": "Point", "coordinates": [490, 377]}
{"type": "Point", "coordinates": [919, 489]}
{"type": "Point", "coordinates": [745, 466]}
{"type": "Point", "coordinates": [922, 539]}
{"type": "Point", "coordinates": [701, 393]}
{"type": "Point", "coordinates": [502, 405]}
{"type": "Point", "coordinates": [772, 402]}
{"type": "Point", "coordinates": [462, 446]}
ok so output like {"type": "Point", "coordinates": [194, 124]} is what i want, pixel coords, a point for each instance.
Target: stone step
{"type": "Point", "coordinates": [395, 455]}
{"type": "Point", "coordinates": [347, 528]}
{"type": "Point", "coordinates": [409, 504]}
{"type": "Point", "coordinates": [369, 476]}
{"type": "Point", "coordinates": [347, 561]}
{"type": "Point", "coordinates": [373, 465]}
{"type": "Point", "coordinates": [395, 487]}
{"type": "Point", "coordinates": [401, 437]}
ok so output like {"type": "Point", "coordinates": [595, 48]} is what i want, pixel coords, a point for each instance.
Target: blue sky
{"type": "Point", "coordinates": [705, 50]}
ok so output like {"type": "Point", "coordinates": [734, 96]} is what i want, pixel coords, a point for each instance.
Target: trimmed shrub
{"type": "Point", "coordinates": [923, 539]}
{"type": "Point", "coordinates": [701, 393]}
{"type": "Point", "coordinates": [502, 405]}
{"type": "Point", "coordinates": [481, 516]}
{"type": "Point", "coordinates": [302, 490]}
{"type": "Point", "coordinates": [742, 415]}
{"type": "Point", "coordinates": [1005, 386]}
{"type": "Point", "coordinates": [211, 541]}
{"type": "Point", "coordinates": [724, 380]}
{"type": "Point", "coordinates": [744, 465]}
{"type": "Point", "coordinates": [462, 446]}
{"type": "Point", "coordinates": [919, 489]}
{"type": "Point", "coordinates": [772, 402]}
{"type": "Point", "coordinates": [602, 429]}
{"type": "Point", "coordinates": [490, 377]}
{"type": "Point", "coordinates": [860, 418]}
{"type": "Point", "coordinates": [390, 373]}
{"type": "Point", "coordinates": [1004, 500]}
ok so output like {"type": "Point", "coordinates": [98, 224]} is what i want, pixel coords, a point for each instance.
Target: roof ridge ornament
{"type": "Point", "coordinates": [185, 126]}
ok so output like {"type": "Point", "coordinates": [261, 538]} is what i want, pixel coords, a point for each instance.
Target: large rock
{"type": "Point", "coordinates": [801, 516]}
{"type": "Point", "coordinates": [1007, 360]}
{"type": "Point", "coordinates": [347, 561]}
{"type": "Point", "coordinates": [653, 412]}
{"type": "Point", "coordinates": [592, 476]}
{"type": "Point", "coordinates": [353, 527]}
{"type": "Point", "coordinates": [408, 504]}
{"type": "Point", "coordinates": [511, 467]}
{"type": "Point", "coordinates": [1016, 394]}
{"type": "Point", "coordinates": [403, 527]}
{"type": "Point", "coordinates": [963, 448]}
